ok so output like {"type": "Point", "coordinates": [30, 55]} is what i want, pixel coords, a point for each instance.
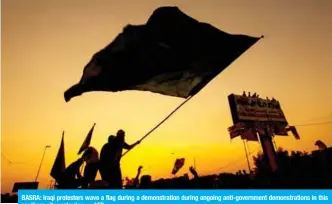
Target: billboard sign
{"type": "Point", "coordinates": [253, 109]}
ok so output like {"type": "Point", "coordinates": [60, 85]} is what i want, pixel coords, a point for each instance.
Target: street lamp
{"type": "Point", "coordinates": [41, 162]}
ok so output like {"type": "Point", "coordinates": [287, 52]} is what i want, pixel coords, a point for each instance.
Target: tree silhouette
{"type": "Point", "coordinates": [296, 169]}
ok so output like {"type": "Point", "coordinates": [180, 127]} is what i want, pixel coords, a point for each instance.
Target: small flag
{"type": "Point", "coordinates": [236, 130]}
{"type": "Point", "coordinates": [234, 134]}
{"type": "Point", "coordinates": [280, 130]}
{"type": "Point", "coordinates": [59, 164]}
{"type": "Point", "coordinates": [294, 132]}
{"type": "Point", "coordinates": [320, 145]}
{"type": "Point", "coordinates": [87, 140]}
{"type": "Point", "coordinates": [249, 135]}
{"type": "Point", "coordinates": [178, 165]}
{"type": "Point", "coordinates": [261, 131]}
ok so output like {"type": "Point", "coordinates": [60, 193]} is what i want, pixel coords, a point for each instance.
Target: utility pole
{"type": "Point", "coordinates": [41, 162]}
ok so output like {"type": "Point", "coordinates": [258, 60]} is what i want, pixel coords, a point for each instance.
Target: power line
{"type": "Point", "coordinates": [312, 124]}
{"type": "Point", "coordinates": [6, 158]}
{"type": "Point", "coordinates": [235, 161]}
{"type": "Point", "coordinates": [9, 161]}
{"type": "Point", "coordinates": [319, 118]}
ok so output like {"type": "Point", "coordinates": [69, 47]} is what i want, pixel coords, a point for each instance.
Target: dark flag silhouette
{"type": "Point", "coordinates": [178, 165]}
{"type": "Point", "coordinates": [236, 130]}
{"type": "Point", "coordinates": [87, 140]}
{"type": "Point", "coordinates": [321, 145]}
{"type": "Point", "coordinates": [281, 130]}
{"type": "Point", "coordinates": [172, 54]}
{"type": "Point", "coordinates": [59, 164]}
{"type": "Point", "coordinates": [294, 132]}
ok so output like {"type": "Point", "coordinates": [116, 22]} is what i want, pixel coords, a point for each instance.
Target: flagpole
{"type": "Point", "coordinates": [245, 149]}
{"type": "Point", "coordinates": [194, 163]}
{"type": "Point", "coordinates": [274, 142]}
{"type": "Point", "coordinates": [153, 129]}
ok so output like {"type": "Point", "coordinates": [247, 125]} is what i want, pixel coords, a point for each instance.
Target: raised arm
{"type": "Point", "coordinates": [136, 180]}
{"type": "Point", "coordinates": [128, 147]}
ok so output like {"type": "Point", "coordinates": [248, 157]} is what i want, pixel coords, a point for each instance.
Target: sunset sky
{"type": "Point", "coordinates": [46, 44]}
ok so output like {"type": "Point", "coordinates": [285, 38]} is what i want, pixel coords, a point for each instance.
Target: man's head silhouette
{"type": "Point", "coordinates": [110, 138]}
{"type": "Point", "coordinates": [120, 133]}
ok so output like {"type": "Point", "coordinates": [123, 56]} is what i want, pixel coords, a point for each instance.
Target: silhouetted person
{"type": "Point", "coordinates": [91, 157]}
{"type": "Point", "coordinates": [71, 178]}
{"type": "Point", "coordinates": [244, 94]}
{"type": "Point", "coordinates": [110, 156]}
{"type": "Point", "coordinates": [255, 95]}
{"type": "Point", "coordinates": [249, 94]}
{"type": "Point", "coordinates": [146, 182]}
{"type": "Point", "coordinates": [99, 184]}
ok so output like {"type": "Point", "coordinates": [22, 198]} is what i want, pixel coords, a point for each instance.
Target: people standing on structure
{"type": "Point", "coordinates": [110, 157]}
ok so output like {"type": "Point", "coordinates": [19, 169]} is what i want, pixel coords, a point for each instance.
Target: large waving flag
{"type": "Point", "coordinates": [87, 140]}
{"type": "Point", "coordinates": [178, 165]}
{"type": "Point", "coordinates": [172, 54]}
{"type": "Point", "coordinates": [59, 164]}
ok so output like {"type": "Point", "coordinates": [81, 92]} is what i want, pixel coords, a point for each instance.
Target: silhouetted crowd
{"type": "Point", "coordinates": [108, 164]}
{"type": "Point", "coordinates": [298, 170]}
{"type": "Point", "coordinates": [253, 100]}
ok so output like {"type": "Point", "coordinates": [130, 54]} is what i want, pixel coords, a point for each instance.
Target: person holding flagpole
{"type": "Point", "coordinates": [110, 157]}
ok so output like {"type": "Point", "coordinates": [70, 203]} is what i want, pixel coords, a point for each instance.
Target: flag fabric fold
{"type": "Point", "coordinates": [172, 54]}
{"type": "Point", "coordinates": [87, 140]}
{"type": "Point", "coordinates": [281, 130]}
{"type": "Point", "coordinates": [294, 132]}
{"type": "Point", "coordinates": [59, 164]}
{"type": "Point", "coordinates": [178, 165]}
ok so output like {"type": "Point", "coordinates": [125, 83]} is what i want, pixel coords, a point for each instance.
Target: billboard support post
{"type": "Point", "coordinates": [269, 151]}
